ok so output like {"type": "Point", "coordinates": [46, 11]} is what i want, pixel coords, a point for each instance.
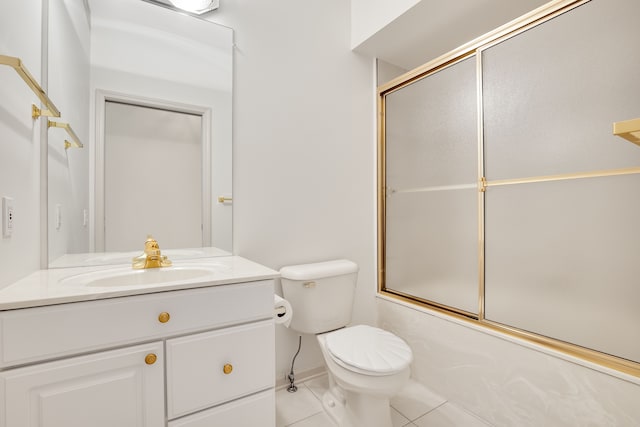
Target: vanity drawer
{"type": "Point", "coordinates": [256, 410]}
{"type": "Point", "coordinates": [40, 333]}
{"type": "Point", "coordinates": [214, 367]}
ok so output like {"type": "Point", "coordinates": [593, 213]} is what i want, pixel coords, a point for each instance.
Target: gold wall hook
{"type": "Point", "coordinates": [16, 64]}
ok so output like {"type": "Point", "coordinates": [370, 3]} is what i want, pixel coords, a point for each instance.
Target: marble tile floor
{"type": "Point", "coordinates": [414, 406]}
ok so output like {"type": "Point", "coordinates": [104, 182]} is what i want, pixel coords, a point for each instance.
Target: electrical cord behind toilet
{"type": "Point", "coordinates": [292, 387]}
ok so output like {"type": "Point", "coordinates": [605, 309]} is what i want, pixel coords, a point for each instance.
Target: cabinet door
{"type": "Point", "coordinates": [120, 388]}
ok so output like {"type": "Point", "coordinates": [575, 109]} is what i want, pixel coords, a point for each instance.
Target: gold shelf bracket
{"type": "Point", "coordinates": [38, 112]}
{"type": "Point", "coordinates": [66, 126]}
{"type": "Point", "coordinates": [16, 64]}
{"type": "Point", "coordinates": [629, 130]}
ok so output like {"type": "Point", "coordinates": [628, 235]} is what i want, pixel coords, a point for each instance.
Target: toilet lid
{"type": "Point", "coordinates": [369, 350]}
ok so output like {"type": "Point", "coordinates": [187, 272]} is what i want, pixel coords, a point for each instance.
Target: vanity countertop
{"type": "Point", "coordinates": [56, 286]}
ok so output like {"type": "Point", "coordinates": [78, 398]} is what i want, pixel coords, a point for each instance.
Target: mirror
{"type": "Point", "coordinates": [145, 58]}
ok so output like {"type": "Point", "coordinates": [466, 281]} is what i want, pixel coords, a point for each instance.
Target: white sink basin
{"type": "Point", "coordinates": [127, 276]}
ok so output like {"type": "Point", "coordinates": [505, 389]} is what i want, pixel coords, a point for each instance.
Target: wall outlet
{"type": "Point", "coordinates": [8, 216]}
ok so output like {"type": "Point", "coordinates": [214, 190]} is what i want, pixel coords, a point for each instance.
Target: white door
{"type": "Point", "coordinates": [152, 177]}
{"type": "Point", "coordinates": [108, 389]}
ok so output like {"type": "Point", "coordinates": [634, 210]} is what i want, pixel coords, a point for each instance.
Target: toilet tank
{"type": "Point", "coordinates": [321, 294]}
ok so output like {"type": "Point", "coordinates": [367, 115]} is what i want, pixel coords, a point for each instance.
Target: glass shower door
{"type": "Point", "coordinates": [431, 214]}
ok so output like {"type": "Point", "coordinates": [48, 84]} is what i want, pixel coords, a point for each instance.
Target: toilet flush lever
{"type": "Point", "coordinates": [309, 285]}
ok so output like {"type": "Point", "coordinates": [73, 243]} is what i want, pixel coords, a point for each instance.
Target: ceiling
{"type": "Point", "coordinates": [434, 27]}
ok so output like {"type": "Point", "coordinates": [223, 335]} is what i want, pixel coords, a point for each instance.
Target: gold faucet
{"type": "Point", "coordinates": [151, 258]}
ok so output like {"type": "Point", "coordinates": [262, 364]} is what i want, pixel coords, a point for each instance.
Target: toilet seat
{"type": "Point", "coordinates": [368, 350]}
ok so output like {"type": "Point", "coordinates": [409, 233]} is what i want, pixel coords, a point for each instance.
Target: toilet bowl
{"type": "Point", "coordinates": [366, 365]}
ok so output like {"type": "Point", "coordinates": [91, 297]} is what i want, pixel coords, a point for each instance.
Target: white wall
{"type": "Point", "coordinates": [20, 36]}
{"type": "Point", "coordinates": [506, 381]}
{"type": "Point", "coordinates": [68, 170]}
{"type": "Point", "coordinates": [303, 146]}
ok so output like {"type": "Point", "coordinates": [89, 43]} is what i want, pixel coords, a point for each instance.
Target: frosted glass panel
{"type": "Point", "coordinates": [431, 131]}
{"type": "Point", "coordinates": [552, 93]}
{"type": "Point", "coordinates": [432, 246]}
{"type": "Point", "coordinates": [563, 260]}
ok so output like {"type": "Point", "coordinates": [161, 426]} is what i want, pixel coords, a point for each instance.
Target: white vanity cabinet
{"type": "Point", "coordinates": [208, 352]}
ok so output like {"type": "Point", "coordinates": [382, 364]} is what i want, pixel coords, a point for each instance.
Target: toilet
{"type": "Point", "coordinates": [366, 365]}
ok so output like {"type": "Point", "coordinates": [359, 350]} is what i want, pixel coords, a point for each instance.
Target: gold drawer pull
{"type": "Point", "coordinates": [227, 369]}
{"type": "Point", "coordinates": [150, 359]}
{"type": "Point", "coordinates": [164, 317]}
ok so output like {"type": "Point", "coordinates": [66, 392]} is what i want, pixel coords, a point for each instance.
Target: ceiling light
{"type": "Point", "coordinates": [196, 6]}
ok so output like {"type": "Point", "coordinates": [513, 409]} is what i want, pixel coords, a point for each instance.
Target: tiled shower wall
{"type": "Point", "coordinates": [507, 381]}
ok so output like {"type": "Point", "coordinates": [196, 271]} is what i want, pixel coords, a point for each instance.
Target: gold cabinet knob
{"type": "Point", "coordinates": [150, 359]}
{"type": "Point", "coordinates": [164, 317]}
{"type": "Point", "coordinates": [227, 369]}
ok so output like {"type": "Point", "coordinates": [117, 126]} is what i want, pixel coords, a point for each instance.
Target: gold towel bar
{"type": "Point", "coordinates": [66, 126]}
{"type": "Point", "coordinates": [17, 65]}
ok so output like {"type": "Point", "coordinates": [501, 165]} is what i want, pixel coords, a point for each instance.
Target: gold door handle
{"type": "Point", "coordinates": [164, 317]}
{"type": "Point", "coordinates": [227, 369]}
{"type": "Point", "coordinates": [150, 359]}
